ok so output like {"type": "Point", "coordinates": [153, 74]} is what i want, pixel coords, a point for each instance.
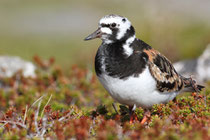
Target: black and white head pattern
{"type": "Point", "coordinates": [116, 28]}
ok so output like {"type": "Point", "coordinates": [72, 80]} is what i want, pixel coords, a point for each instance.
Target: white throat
{"type": "Point", "coordinates": [107, 41]}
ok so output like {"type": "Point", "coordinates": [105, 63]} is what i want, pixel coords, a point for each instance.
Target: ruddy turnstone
{"type": "Point", "coordinates": [132, 71]}
{"type": "Point", "coordinates": [199, 67]}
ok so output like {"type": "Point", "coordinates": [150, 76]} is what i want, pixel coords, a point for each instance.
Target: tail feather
{"type": "Point", "coordinates": [200, 87]}
{"type": "Point", "coordinates": [191, 85]}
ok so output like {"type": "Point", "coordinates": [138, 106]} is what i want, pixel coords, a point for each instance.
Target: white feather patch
{"type": "Point", "coordinates": [128, 50]}
{"type": "Point", "coordinates": [136, 90]}
{"type": "Point", "coordinates": [123, 28]}
{"type": "Point", "coordinates": [106, 30]}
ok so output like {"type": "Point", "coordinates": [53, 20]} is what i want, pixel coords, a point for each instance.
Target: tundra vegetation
{"type": "Point", "coordinates": [58, 105]}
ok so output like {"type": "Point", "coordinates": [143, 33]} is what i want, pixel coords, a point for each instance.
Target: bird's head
{"type": "Point", "coordinates": [113, 28]}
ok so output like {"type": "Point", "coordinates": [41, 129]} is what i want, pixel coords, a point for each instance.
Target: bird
{"type": "Point", "coordinates": [132, 72]}
{"type": "Point", "coordinates": [199, 67]}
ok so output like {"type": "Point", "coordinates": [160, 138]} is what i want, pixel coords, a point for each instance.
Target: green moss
{"type": "Point", "coordinates": [101, 109]}
{"type": "Point", "coordinates": [140, 113]}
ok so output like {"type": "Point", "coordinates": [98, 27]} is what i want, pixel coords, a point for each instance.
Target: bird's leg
{"type": "Point", "coordinates": [115, 109]}
{"type": "Point", "coordinates": [174, 100]}
{"type": "Point", "coordinates": [132, 113]}
{"type": "Point", "coordinates": [147, 115]}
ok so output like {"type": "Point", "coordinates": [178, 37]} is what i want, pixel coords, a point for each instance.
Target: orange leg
{"type": "Point", "coordinates": [146, 117]}
{"type": "Point", "coordinates": [133, 116]}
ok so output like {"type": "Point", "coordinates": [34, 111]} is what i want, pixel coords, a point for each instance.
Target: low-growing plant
{"type": "Point", "coordinates": [57, 105]}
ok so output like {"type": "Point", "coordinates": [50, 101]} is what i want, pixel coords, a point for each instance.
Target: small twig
{"type": "Point", "coordinates": [92, 127]}
{"type": "Point", "coordinates": [44, 129]}
{"type": "Point", "coordinates": [45, 125]}
{"type": "Point", "coordinates": [62, 118]}
{"type": "Point", "coordinates": [73, 101]}
{"type": "Point", "coordinates": [40, 98]}
{"type": "Point", "coordinates": [36, 117]}
{"type": "Point", "coordinates": [15, 123]}
{"type": "Point", "coordinates": [24, 120]}
{"type": "Point", "coordinates": [46, 105]}
{"type": "Point", "coordinates": [3, 124]}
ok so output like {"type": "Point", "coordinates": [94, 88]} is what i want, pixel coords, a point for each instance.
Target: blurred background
{"type": "Point", "coordinates": [178, 29]}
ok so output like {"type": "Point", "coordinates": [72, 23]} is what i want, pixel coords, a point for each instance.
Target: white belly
{"type": "Point", "coordinates": [139, 90]}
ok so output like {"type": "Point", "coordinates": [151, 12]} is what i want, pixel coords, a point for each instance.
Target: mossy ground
{"type": "Point", "coordinates": [55, 105]}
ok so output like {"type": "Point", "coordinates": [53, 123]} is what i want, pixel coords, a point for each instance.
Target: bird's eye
{"type": "Point", "coordinates": [113, 25]}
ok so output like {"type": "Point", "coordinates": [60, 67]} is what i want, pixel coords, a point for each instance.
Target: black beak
{"type": "Point", "coordinates": [94, 35]}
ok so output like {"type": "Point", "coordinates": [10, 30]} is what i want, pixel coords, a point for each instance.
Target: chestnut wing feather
{"type": "Point", "coordinates": [168, 80]}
